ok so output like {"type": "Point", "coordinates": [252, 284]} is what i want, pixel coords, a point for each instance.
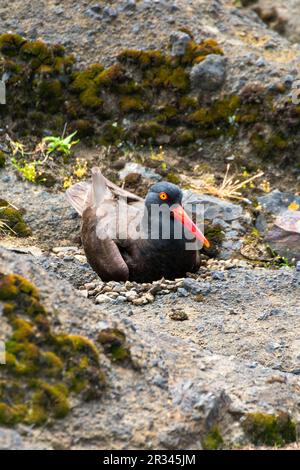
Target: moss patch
{"type": "Point", "coordinates": [12, 220]}
{"type": "Point", "coordinates": [45, 90]}
{"type": "Point", "coordinates": [2, 159]}
{"type": "Point", "coordinates": [195, 53]}
{"type": "Point", "coordinates": [215, 235]}
{"type": "Point", "coordinates": [132, 104]}
{"type": "Point", "coordinates": [114, 344]}
{"type": "Point", "coordinates": [42, 79]}
{"type": "Point", "coordinates": [213, 439]}
{"type": "Point", "coordinates": [42, 367]}
{"type": "Point", "coordinates": [10, 44]}
{"type": "Point", "coordinates": [271, 430]}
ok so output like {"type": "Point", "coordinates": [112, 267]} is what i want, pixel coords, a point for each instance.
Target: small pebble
{"type": "Point", "coordinates": [102, 298]}
{"type": "Point", "coordinates": [178, 315]}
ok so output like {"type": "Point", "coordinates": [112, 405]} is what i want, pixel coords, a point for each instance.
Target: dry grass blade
{"type": "Point", "coordinates": [4, 227]}
{"type": "Point", "coordinates": [229, 188]}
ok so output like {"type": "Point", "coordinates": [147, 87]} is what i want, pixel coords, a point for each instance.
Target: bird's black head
{"type": "Point", "coordinates": [163, 193]}
{"type": "Point", "coordinates": [163, 211]}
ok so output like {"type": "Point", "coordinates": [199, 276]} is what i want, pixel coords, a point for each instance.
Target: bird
{"type": "Point", "coordinates": [127, 238]}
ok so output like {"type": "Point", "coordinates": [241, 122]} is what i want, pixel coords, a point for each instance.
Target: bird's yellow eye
{"type": "Point", "coordinates": [163, 196]}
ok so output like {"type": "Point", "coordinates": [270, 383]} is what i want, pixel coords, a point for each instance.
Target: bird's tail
{"type": "Point", "coordinates": [85, 194]}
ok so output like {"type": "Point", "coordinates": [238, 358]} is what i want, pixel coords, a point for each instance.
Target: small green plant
{"type": "Point", "coordinates": [60, 144]}
{"type": "Point", "coordinates": [17, 147]}
{"type": "Point", "coordinates": [28, 170]}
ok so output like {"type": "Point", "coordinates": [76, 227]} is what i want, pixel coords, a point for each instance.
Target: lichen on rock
{"type": "Point", "coordinates": [268, 429]}
{"type": "Point", "coordinates": [213, 440]}
{"type": "Point", "coordinates": [161, 96]}
{"type": "Point", "coordinates": [43, 87]}
{"type": "Point", "coordinates": [114, 343]}
{"type": "Point", "coordinates": [43, 367]}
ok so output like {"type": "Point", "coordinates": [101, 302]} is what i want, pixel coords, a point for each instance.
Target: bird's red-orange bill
{"type": "Point", "coordinates": [180, 215]}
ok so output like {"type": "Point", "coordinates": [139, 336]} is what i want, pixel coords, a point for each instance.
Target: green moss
{"type": "Point", "coordinates": [220, 110]}
{"type": "Point", "coordinates": [10, 415]}
{"type": "Point", "coordinates": [12, 219]}
{"type": "Point", "coordinates": [10, 44]}
{"type": "Point", "coordinates": [52, 364]}
{"type": "Point", "coordinates": [271, 430]}
{"type": "Point", "coordinates": [13, 285]}
{"type": "Point", "coordinates": [84, 82]}
{"type": "Point", "coordinates": [132, 104]}
{"type": "Point", "coordinates": [162, 70]}
{"type": "Point", "coordinates": [37, 53]}
{"type": "Point", "coordinates": [23, 329]}
{"type": "Point", "coordinates": [26, 356]}
{"type": "Point", "coordinates": [52, 398]}
{"type": "Point", "coordinates": [64, 64]}
{"type": "Point", "coordinates": [152, 130]}
{"type": "Point", "coordinates": [96, 99]}
{"type": "Point", "coordinates": [184, 137]}
{"type": "Point", "coordinates": [215, 236]}
{"type": "Point", "coordinates": [68, 344]}
{"type": "Point", "coordinates": [14, 71]}
{"type": "Point", "coordinates": [42, 367]}
{"type": "Point", "coordinates": [2, 159]}
{"type": "Point", "coordinates": [167, 77]}
{"type": "Point", "coordinates": [195, 53]}
{"type": "Point", "coordinates": [213, 439]}
{"type": "Point", "coordinates": [143, 59]}
{"type": "Point", "coordinates": [49, 89]}
{"type": "Point", "coordinates": [112, 133]}
{"type": "Point", "coordinates": [266, 145]}
{"type": "Point", "coordinates": [188, 103]}
{"type": "Point", "coordinates": [114, 344]}
{"type": "Point", "coordinates": [128, 87]}
{"type": "Point", "coordinates": [90, 98]}
{"type": "Point", "coordinates": [82, 79]}
{"type": "Point", "coordinates": [110, 76]}
{"type": "Point", "coordinates": [165, 113]}
{"type": "Point", "coordinates": [179, 79]}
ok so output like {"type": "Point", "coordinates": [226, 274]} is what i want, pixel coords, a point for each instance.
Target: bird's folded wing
{"type": "Point", "coordinates": [118, 212]}
{"type": "Point", "coordinates": [102, 254]}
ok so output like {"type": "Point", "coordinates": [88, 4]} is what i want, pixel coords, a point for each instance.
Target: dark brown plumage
{"type": "Point", "coordinates": [142, 259]}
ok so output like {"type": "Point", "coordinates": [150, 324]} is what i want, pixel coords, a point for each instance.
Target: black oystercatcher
{"type": "Point", "coordinates": [128, 238]}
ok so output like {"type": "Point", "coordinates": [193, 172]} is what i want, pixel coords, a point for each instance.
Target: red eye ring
{"type": "Point", "coordinates": [163, 196]}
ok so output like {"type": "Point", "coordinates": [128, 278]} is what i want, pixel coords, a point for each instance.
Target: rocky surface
{"type": "Point", "coordinates": [44, 211]}
{"type": "Point", "coordinates": [215, 353]}
{"type": "Point", "coordinates": [241, 360]}
{"type": "Point", "coordinates": [282, 16]}
{"type": "Point", "coordinates": [248, 120]}
{"type": "Point", "coordinates": [279, 222]}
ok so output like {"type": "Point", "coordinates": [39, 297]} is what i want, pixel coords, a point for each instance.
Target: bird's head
{"type": "Point", "coordinates": [168, 196]}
